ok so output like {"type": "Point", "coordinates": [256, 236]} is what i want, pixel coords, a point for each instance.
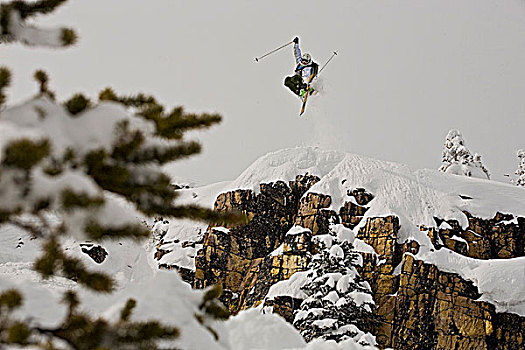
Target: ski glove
{"type": "Point", "coordinates": [296, 40]}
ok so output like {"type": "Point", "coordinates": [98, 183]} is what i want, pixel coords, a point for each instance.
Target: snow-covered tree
{"type": "Point", "coordinates": [14, 26]}
{"type": "Point", "coordinates": [339, 303]}
{"type": "Point", "coordinates": [458, 160]}
{"type": "Point", "coordinates": [91, 170]}
{"type": "Point", "coordinates": [520, 172]}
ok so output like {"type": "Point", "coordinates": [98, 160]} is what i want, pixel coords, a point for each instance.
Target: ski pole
{"type": "Point", "coordinates": [269, 53]}
{"type": "Point", "coordinates": [324, 65]}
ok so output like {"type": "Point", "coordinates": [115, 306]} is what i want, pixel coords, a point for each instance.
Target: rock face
{"type": "Point", "coordinates": [424, 308]}
{"type": "Point", "coordinates": [501, 237]}
{"type": "Point", "coordinates": [419, 306]}
{"type": "Point", "coordinates": [240, 257]}
{"type": "Point", "coordinates": [94, 251]}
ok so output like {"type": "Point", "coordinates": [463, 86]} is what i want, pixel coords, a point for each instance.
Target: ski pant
{"type": "Point", "coordinates": [295, 83]}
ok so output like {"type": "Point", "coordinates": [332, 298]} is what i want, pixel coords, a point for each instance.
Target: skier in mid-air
{"type": "Point", "coordinates": [305, 71]}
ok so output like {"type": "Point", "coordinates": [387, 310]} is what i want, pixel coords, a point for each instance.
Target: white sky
{"type": "Point", "coordinates": [406, 73]}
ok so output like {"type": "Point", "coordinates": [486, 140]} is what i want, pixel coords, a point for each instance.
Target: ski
{"type": "Point", "coordinates": [305, 98]}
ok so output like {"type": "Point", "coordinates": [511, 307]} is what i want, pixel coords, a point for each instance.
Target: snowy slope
{"type": "Point", "coordinates": [416, 196]}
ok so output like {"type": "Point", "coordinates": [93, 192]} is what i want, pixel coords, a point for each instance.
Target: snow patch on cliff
{"type": "Point", "coordinates": [500, 281]}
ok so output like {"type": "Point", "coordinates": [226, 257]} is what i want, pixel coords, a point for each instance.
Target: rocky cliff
{"type": "Point", "coordinates": [419, 304]}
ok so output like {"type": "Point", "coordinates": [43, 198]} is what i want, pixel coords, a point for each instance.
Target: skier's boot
{"type": "Point", "coordinates": [311, 92]}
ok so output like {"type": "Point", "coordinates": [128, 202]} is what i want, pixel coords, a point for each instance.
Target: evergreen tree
{"type": "Point", "coordinates": [90, 170]}
{"type": "Point", "coordinates": [458, 160]}
{"type": "Point", "coordinates": [520, 172]}
{"type": "Point", "coordinates": [339, 303]}
{"type": "Point", "coordinates": [14, 27]}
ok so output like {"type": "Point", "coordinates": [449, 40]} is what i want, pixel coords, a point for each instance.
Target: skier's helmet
{"type": "Point", "coordinates": [306, 59]}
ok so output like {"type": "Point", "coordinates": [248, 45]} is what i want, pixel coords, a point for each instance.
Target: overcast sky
{"type": "Point", "coordinates": [407, 72]}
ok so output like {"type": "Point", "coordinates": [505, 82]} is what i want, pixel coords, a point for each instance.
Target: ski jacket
{"type": "Point", "coordinates": [304, 71]}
